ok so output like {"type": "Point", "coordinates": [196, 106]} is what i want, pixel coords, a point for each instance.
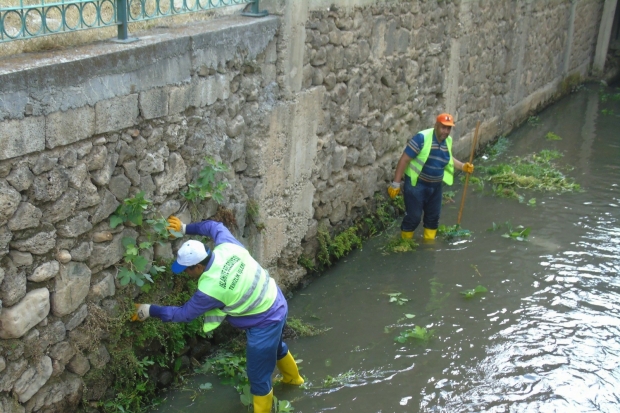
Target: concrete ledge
{"type": "Point", "coordinates": [46, 82]}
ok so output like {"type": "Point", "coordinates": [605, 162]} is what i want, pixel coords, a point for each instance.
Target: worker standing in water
{"type": "Point", "coordinates": [233, 286]}
{"type": "Point", "coordinates": [426, 162]}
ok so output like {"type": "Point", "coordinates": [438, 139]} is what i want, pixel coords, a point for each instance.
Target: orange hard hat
{"type": "Point", "coordinates": [446, 119]}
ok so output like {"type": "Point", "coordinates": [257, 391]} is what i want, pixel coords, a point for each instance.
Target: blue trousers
{"type": "Point", "coordinates": [265, 347]}
{"type": "Point", "coordinates": [421, 199]}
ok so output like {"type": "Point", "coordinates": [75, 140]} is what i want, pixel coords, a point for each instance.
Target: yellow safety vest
{"type": "Point", "coordinates": [415, 166]}
{"type": "Point", "coordinates": [237, 280]}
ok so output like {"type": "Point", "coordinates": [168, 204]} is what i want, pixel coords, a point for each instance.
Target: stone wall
{"type": "Point", "coordinates": [309, 107]}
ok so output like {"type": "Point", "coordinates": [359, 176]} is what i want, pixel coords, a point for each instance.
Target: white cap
{"type": "Point", "coordinates": [192, 252]}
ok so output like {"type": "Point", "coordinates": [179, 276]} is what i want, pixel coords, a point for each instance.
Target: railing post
{"type": "Point", "coordinates": [255, 11]}
{"type": "Point", "coordinates": [122, 21]}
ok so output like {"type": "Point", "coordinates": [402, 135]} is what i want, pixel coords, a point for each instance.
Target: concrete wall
{"type": "Point", "coordinates": [310, 107]}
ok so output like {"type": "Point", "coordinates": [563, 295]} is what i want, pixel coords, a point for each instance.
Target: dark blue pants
{"type": "Point", "coordinates": [265, 347]}
{"type": "Point", "coordinates": [421, 199]}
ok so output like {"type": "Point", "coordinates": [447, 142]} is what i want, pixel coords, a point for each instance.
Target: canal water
{"type": "Point", "coordinates": [544, 338]}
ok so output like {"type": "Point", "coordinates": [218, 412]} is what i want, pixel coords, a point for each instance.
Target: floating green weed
{"type": "Point", "coordinates": [535, 172]}
{"type": "Point", "coordinates": [304, 329]}
{"type": "Point", "coordinates": [531, 202]}
{"type": "Point", "coordinates": [550, 136]}
{"type": "Point", "coordinates": [472, 292]}
{"type": "Point", "coordinates": [397, 244]}
{"type": "Point", "coordinates": [341, 379]}
{"type": "Point", "coordinates": [447, 197]}
{"type": "Point", "coordinates": [519, 233]}
{"type": "Point", "coordinates": [533, 121]}
{"type": "Point", "coordinates": [608, 112]}
{"type": "Point", "coordinates": [496, 148]}
{"type": "Point", "coordinates": [396, 298]}
{"type": "Point", "coordinates": [452, 231]}
{"type": "Point", "coordinates": [417, 333]}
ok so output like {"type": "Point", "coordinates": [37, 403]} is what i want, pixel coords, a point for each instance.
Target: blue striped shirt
{"type": "Point", "coordinates": [438, 158]}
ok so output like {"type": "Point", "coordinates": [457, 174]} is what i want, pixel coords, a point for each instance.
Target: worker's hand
{"type": "Point", "coordinates": [394, 189]}
{"type": "Point", "coordinates": [468, 168]}
{"type": "Point", "coordinates": [142, 312]}
{"type": "Point", "coordinates": [175, 225]}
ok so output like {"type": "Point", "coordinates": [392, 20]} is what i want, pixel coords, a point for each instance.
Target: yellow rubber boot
{"type": "Point", "coordinates": [429, 234]}
{"type": "Point", "coordinates": [263, 404]}
{"type": "Point", "coordinates": [406, 234]}
{"type": "Point", "coordinates": [288, 368]}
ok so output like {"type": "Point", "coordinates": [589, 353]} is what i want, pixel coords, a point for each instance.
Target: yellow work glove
{"type": "Point", "coordinates": [468, 168]}
{"type": "Point", "coordinates": [175, 225]}
{"type": "Point", "coordinates": [142, 312]}
{"type": "Point", "coordinates": [394, 189]}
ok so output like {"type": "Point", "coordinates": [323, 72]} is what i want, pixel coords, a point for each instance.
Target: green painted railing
{"type": "Point", "coordinates": [28, 19]}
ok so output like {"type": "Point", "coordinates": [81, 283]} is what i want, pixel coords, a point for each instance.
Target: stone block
{"type": "Point", "coordinates": [174, 176]}
{"type": "Point", "coordinates": [179, 99]}
{"type": "Point", "coordinates": [13, 286]}
{"type": "Point", "coordinates": [38, 244]}
{"type": "Point", "coordinates": [153, 103]}
{"type": "Point", "coordinates": [63, 128]}
{"type": "Point", "coordinates": [21, 259]}
{"type": "Point", "coordinates": [45, 271]}
{"type": "Point", "coordinates": [77, 318]}
{"type": "Point", "coordinates": [116, 113]}
{"type": "Point", "coordinates": [104, 288]}
{"type": "Point", "coordinates": [33, 379]}
{"type": "Point", "coordinates": [71, 287]}
{"type": "Point", "coordinates": [9, 202]}
{"type": "Point", "coordinates": [75, 226]}
{"type": "Point", "coordinates": [119, 186]}
{"type": "Point", "coordinates": [21, 178]}
{"type": "Point", "coordinates": [12, 373]}
{"type": "Point", "coordinates": [62, 394]}
{"type": "Point", "coordinates": [20, 137]}
{"type": "Point", "coordinates": [79, 365]}
{"type": "Point", "coordinates": [31, 310]}
{"type": "Point", "coordinates": [26, 216]}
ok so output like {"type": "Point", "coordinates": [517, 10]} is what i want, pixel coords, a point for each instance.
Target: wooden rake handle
{"type": "Point", "coordinates": [471, 159]}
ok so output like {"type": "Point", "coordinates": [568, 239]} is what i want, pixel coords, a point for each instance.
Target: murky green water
{"type": "Point", "coordinates": [545, 338]}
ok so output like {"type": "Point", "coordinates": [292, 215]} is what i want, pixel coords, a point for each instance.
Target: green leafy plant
{"type": "Point", "coordinates": [338, 246]}
{"type": "Point", "coordinates": [206, 185]}
{"type": "Point", "coordinates": [396, 298]}
{"type": "Point", "coordinates": [519, 233]}
{"type": "Point", "coordinates": [131, 210]}
{"type": "Point", "coordinates": [137, 268]}
{"type": "Point", "coordinates": [417, 333]}
{"type": "Point", "coordinates": [253, 214]}
{"type": "Point", "coordinates": [550, 136]}
{"type": "Point", "coordinates": [607, 112]}
{"type": "Point", "coordinates": [473, 291]}
{"type": "Point", "coordinates": [531, 202]}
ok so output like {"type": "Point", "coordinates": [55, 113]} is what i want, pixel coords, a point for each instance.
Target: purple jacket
{"type": "Point", "coordinates": [200, 302]}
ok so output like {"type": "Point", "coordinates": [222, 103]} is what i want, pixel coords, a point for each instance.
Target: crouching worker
{"type": "Point", "coordinates": [233, 286]}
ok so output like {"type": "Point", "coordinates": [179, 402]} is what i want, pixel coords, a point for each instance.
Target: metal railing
{"type": "Point", "coordinates": [25, 21]}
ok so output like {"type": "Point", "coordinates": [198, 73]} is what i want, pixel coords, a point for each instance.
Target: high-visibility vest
{"type": "Point", "coordinates": [237, 280]}
{"type": "Point", "coordinates": [415, 166]}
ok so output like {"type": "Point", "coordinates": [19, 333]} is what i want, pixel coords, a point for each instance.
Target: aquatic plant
{"type": "Point", "coordinates": [417, 333]}
{"type": "Point", "coordinates": [397, 244]}
{"type": "Point", "coordinates": [519, 233]}
{"type": "Point", "coordinates": [533, 121]}
{"type": "Point", "coordinates": [535, 172]}
{"type": "Point", "coordinates": [550, 136]}
{"type": "Point", "coordinates": [496, 148]}
{"type": "Point", "coordinates": [473, 291]}
{"type": "Point", "coordinates": [396, 298]}
{"type": "Point", "coordinates": [302, 329]}
{"type": "Point", "coordinates": [452, 231]}
{"type": "Point", "coordinates": [447, 197]}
